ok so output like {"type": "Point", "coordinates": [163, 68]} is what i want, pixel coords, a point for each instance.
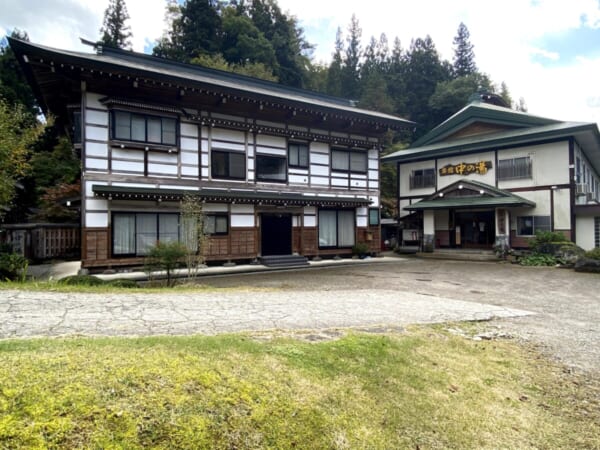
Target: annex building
{"type": "Point", "coordinates": [494, 176]}
{"type": "Point", "coordinates": [280, 170]}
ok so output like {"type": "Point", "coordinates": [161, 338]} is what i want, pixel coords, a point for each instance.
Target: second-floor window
{"type": "Point", "coordinates": [298, 155]}
{"type": "Point", "coordinates": [226, 164]}
{"type": "Point", "coordinates": [271, 168]}
{"type": "Point", "coordinates": [348, 161]}
{"type": "Point", "coordinates": [422, 178]}
{"type": "Point", "coordinates": [514, 168]}
{"type": "Point", "coordinates": [144, 128]}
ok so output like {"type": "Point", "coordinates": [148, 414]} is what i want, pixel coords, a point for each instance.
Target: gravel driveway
{"type": "Point", "coordinates": [554, 307]}
{"type": "Point", "coordinates": [566, 303]}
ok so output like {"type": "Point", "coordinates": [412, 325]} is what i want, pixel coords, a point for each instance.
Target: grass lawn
{"type": "Point", "coordinates": [425, 389]}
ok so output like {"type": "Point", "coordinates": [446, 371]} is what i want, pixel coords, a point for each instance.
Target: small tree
{"type": "Point", "coordinates": [193, 235]}
{"type": "Point", "coordinates": [165, 256]}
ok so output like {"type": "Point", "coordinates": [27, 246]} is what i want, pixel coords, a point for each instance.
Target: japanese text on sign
{"type": "Point", "coordinates": [463, 168]}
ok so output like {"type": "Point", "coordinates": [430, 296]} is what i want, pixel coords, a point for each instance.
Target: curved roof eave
{"type": "Point", "coordinates": [150, 66]}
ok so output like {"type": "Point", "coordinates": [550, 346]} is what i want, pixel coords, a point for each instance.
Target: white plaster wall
{"type": "Point", "coordinates": [223, 134]}
{"type": "Point", "coordinates": [242, 209]}
{"type": "Point", "coordinates": [562, 209]}
{"type": "Point", "coordinates": [584, 229]}
{"type": "Point", "coordinates": [404, 212]}
{"type": "Point", "coordinates": [428, 222]}
{"type": "Point", "coordinates": [542, 203]}
{"type": "Point", "coordinates": [405, 172]}
{"type": "Point", "coordinates": [271, 141]}
{"type": "Point", "coordinates": [241, 220]}
{"type": "Point", "coordinates": [96, 220]}
{"type": "Point", "coordinates": [550, 165]}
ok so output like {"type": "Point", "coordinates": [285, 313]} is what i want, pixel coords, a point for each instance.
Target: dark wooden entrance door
{"type": "Point", "coordinates": [475, 228]}
{"type": "Point", "coordinates": [276, 234]}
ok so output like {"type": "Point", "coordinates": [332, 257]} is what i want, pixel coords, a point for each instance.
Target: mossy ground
{"type": "Point", "coordinates": [425, 388]}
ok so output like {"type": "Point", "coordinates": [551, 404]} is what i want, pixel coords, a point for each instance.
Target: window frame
{"type": "Point", "coordinates": [228, 153]}
{"type": "Point", "coordinates": [513, 176]}
{"type": "Point", "coordinates": [162, 145]}
{"type": "Point", "coordinates": [337, 229]}
{"type": "Point", "coordinates": [373, 223]}
{"type": "Point", "coordinates": [271, 180]}
{"type": "Point", "coordinates": [298, 146]}
{"type": "Point", "coordinates": [431, 177]}
{"type": "Point", "coordinates": [534, 228]}
{"type": "Point", "coordinates": [216, 216]}
{"type": "Point", "coordinates": [135, 232]}
{"type": "Point", "coordinates": [349, 154]}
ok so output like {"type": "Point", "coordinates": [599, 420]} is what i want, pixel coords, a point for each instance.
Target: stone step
{"type": "Point", "coordinates": [284, 261]}
{"type": "Point", "coordinates": [460, 254]}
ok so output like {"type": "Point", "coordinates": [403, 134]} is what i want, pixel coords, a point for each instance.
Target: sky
{"type": "Point", "coordinates": [546, 51]}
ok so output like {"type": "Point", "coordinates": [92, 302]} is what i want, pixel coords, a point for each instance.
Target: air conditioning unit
{"type": "Point", "coordinates": [581, 189]}
{"type": "Point", "coordinates": [589, 197]}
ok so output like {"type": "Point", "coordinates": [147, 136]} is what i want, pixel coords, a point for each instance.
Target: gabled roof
{"type": "Point", "coordinates": [522, 129]}
{"type": "Point", "coordinates": [469, 194]}
{"type": "Point", "coordinates": [485, 113]}
{"type": "Point", "coordinates": [154, 68]}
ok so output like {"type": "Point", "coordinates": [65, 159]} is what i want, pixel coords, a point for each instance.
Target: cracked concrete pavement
{"type": "Point", "coordinates": [27, 313]}
{"type": "Point", "coordinates": [559, 309]}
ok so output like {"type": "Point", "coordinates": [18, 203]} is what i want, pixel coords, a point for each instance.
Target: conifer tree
{"type": "Point", "coordinates": [351, 67]}
{"type": "Point", "coordinates": [115, 31]}
{"type": "Point", "coordinates": [464, 56]}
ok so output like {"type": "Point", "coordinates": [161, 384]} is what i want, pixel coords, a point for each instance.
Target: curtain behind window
{"type": "Point", "coordinates": [145, 232]}
{"type": "Point", "coordinates": [345, 228]}
{"type": "Point", "coordinates": [327, 229]}
{"type": "Point", "coordinates": [168, 227]}
{"type": "Point", "coordinates": [124, 234]}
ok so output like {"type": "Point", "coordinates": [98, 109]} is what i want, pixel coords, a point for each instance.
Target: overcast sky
{"type": "Point", "coordinates": [547, 51]}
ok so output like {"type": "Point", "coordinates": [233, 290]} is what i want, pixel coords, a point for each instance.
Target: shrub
{"type": "Point", "coordinates": [546, 237]}
{"type": "Point", "coordinates": [540, 259]}
{"type": "Point", "coordinates": [360, 249]}
{"type": "Point", "coordinates": [166, 256]}
{"type": "Point", "coordinates": [81, 280]}
{"type": "Point", "coordinates": [593, 254]}
{"type": "Point", "coordinates": [13, 266]}
{"type": "Point", "coordinates": [122, 283]}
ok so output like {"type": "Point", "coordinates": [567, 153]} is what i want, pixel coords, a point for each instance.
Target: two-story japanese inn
{"type": "Point", "coordinates": [280, 170]}
{"type": "Point", "coordinates": [494, 176]}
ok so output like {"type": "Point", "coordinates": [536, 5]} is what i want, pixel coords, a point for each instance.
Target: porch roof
{"type": "Point", "coordinates": [482, 196]}
{"type": "Point", "coordinates": [469, 202]}
{"type": "Point", "coordinates": [230, 195]}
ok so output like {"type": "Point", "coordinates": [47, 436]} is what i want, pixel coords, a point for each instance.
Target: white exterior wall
{"type": "Point", "coordinates": [550, 165]}
{"type": "Point", "coordinates": [562, 209]}
{"type": "Point", "coordinates": [189, 165]}
{"type": "Point", "coordinates": [584, 229]}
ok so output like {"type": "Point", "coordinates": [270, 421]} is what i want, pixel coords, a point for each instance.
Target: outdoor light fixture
{"type": "Point", "coordinates": [441, 194]}
{"type": "Point", "coordinates": [460, 186]}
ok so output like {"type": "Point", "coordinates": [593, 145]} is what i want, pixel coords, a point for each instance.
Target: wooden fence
{"type": "Point", "coordinates": [44, 241]}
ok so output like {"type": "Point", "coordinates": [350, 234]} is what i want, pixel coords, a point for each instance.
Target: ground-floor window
{"type": "Point", "coordinates": [136, 233]}
{"type": "Point", "coordinates": [336, 228]}
{"type": "Point", "coordinates": [597, 231]}
{"type": "Point", "coordinates": [529, 225]}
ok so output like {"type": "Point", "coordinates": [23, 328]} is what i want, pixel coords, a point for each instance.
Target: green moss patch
{"type": "Point", "coordinates": [422, 389]}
